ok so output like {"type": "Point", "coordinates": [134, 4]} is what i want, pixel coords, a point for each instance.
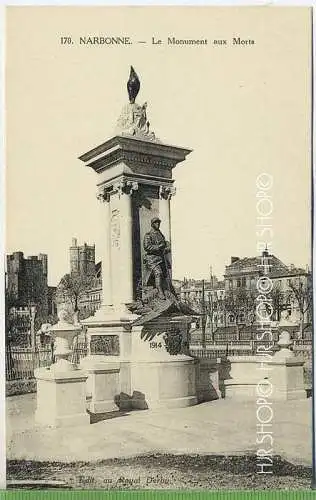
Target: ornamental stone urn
{"type": "Point", "coordinates": [61, 389]}
{"type": "Point", "coordinates": [63, 333]}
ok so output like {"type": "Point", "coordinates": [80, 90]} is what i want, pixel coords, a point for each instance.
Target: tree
{"type": "Point", "coordinates": [72, 288]}
{"type": "Point", "coordinates": [302, 291]}
{"type": "Point", "coordinates": [251, 306]}
{"type": "Point", "coordinates": [239, 303]}
{"type": "Point", "coordinates": [277, 300]}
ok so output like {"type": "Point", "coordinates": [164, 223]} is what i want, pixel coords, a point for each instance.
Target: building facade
{"type": "Point", "coordinates": [26, 282]}
{"type": "Point", "coordinates": [91, 300]}
{"type": "Point", "coordinates": [232, 302]}
{"type": "Point", "coordinates": [82, 258]}
{"type": "Point", "coordinates": [85, 275]}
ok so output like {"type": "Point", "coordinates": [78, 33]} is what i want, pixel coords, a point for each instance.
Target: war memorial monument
{"type": "Point", "coordinates": [157, 369]}
{"type": "Point", "coordinates": [138, 339]}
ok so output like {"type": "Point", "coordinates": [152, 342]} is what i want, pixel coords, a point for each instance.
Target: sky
{"type": "Point", "coordinates": [244, 110]}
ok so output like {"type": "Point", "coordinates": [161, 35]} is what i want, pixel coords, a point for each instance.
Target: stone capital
{"type": "Point", "coordinates": [103, 194]}
{"type": "Point", "coordinates": [166, 192]}
{"type": "Point", "coordinates": [126, 187]}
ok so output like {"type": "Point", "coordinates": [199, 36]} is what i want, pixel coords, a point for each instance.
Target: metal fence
{"type": "Point", "coordinates": [228, 334]}
{"type": "Point", "coordinates": [80, 350]}
{"type": "Point", "coordinates": [20, 362]}
{"type": "Point", "coordinates": [301, 348]}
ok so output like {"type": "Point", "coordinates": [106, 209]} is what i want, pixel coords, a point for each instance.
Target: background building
{"type": "Point", "coordinates": [244, 272]}
{"type": "Point", "coordinates": [81, 289]}
{"type": "Point", "coordinates": [90, 301]}
{"type": "Point", "coordinates": [230, 306]}
{"type": "Point", "coordinates": [26, 282]}
{"type": "Point", "coordinates": [82, 258]}
{"type": "Point", "coordinates": [29, 299]}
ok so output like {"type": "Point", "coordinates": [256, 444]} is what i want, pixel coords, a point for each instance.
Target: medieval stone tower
{"type": "Point", "coordinates": [82, 258]}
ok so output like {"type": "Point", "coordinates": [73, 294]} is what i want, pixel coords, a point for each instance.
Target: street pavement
{"type": "Point", "coordinates": [222, 427]}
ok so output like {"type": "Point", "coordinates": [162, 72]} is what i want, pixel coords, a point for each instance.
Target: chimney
{"type": "Point", "coordinates": [74, 242]}
{"type": "Point", "coordinates": [265, 252]}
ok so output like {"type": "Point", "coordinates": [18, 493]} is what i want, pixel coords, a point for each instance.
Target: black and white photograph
{"type": "Point", "coordinates": [158, 248]}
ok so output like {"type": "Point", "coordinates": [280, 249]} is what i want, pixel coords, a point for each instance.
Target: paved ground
{"type": "Point", "coordinates": [218, 427]}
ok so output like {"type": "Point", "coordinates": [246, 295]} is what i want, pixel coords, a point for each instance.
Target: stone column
{"type": "Point", "coordinates": [104, 197]}
{"type": "Point", "coordinates": [126, 189]}
{"type": "Point", "coordinates": [165, 193]}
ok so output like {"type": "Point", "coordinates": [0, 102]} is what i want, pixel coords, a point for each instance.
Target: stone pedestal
{"type": "Point", "coordinates": [287, 379]}
{"type": "Point", "coordinates": [282, 380]}
{"type": "Point", "coordinates": [141, 374]}
{"type": "Point", "coordinates": [243, 376]}
{"type": "Point", "coordinates": [103, 385]}
{"type": "Point", "coordinates": [108, 360]}
{"type": "Point", "coordinates": [61, 398]}
{"type": "Point", "coordinates": [61, 388]}
{"type": "Point", "coordinates": [159, 379]}
{"type": "Point", "coordinates": [168, 383]}
{"type": "Point", "coordinates": [207, 379]}
{"type": "Point", "coordinates": [287, 375]}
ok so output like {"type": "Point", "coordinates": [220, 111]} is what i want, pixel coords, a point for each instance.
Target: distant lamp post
{"type": "Point", "coordinates": [203, 316]}
{"type": "Point", "coordinates": [33, 335]}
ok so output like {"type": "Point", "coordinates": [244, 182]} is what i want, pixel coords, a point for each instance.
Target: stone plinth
{"type": "Point", "coordinates": [103, 385]}
{"type": "Point", "coordinates": [282, 380]}
{"type": "Point", "coordinates": [243, 377]}
{"type": "Point", "coordinates": [159, 379]}
{"type": "Point", "coordinates": [287, 373]}
{"type": "Point", "coordinates": [207, 379]}
{"type": "Point", "coordinates": [168, 383]}
{"type": "Point", "coordinates": [287, 378]}
{"type": "Point", "coordinates": [142, 374]}
{"type": "Point", "coordinates": [61, 398]}
{"type": "Point", "coordinates": [109, 340]}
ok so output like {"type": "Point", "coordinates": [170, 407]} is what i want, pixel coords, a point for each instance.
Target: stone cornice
{"type": "Point", "coordinates": [133, 151]}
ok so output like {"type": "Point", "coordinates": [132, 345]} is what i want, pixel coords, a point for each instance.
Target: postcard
{"type": "Point", "coordinates": [158, 321]}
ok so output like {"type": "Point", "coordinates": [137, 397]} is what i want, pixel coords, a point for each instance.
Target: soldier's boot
{"type": "Point", "coordinates": [159, 287]}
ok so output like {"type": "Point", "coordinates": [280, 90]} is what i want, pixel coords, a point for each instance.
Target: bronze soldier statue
{"type": "Point", "coordinates": [157, 259]}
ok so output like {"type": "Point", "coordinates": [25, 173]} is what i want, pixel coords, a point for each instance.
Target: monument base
{"type": "Point", "coordinates": [282, 380]}
{"type": "Point", "coordinates": [287, 377]}
{"type": "Point", "coordinates": [103, 383]}
{"type": "Point", "coordinates": [139, 373]}
{"type": "Point", "coordinates": [165, 383]}
{"type": "Point", "coordinates": [240, 390]}
{"type": "Point", "coordinates": [61, 398]}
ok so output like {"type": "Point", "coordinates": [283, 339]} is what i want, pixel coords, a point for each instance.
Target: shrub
{"type": "Point", "coordinates": [17, 387]}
